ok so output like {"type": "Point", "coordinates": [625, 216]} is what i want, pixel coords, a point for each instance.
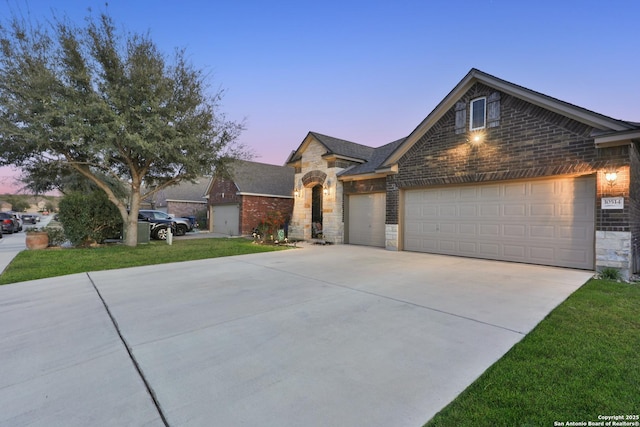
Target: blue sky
{"type": "Point", "coordinates": [370, 71]}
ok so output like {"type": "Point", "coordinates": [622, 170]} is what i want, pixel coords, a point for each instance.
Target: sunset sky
{"type": "Point", "coordinates": [370, 71]}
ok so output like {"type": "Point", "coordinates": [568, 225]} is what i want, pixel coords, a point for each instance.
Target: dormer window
{"type": "Point", "coordinates": [478, 114]}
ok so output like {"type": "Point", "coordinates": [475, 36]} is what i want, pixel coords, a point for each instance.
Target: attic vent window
{"type": "Point", "coordinates": [478, 114]}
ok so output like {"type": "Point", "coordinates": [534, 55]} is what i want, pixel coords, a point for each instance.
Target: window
{"type": "Point", "coordinates": [478, 114]}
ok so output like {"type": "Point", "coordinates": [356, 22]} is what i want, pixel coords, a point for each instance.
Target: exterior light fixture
{"type": "Point", "coordinates": [611, 177]}
{"type": "Point", "coordinates": [325, 190]}
{"type": "Point", "coordinates": [296, 193]}
{"type": "Point", "coordinates": [476, 138]}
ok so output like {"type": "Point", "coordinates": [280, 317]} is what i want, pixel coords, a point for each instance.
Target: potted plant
{"type": "Point", "coordinates": [37, 238]}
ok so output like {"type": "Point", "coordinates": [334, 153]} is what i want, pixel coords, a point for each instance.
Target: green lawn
{"type": "Point", "coordinates": [582, 361]}
{"type": "Point", "coordinates": [30, 265]}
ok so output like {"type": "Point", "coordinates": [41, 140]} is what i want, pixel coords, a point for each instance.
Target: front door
{"type": "Point", "coordinates": [316, 212]}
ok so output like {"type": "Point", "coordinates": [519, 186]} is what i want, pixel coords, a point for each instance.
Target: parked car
{"type": "Point", "coordinates": [9, 223]}
{"type": "Point", "coordinates": [159, 226]}
{"type": "Point", "coordinates": [18, 219]}
{"type": "Point", "coordinates": [29, 218]}
{"type": "Point", "coordinates": [183, 225]}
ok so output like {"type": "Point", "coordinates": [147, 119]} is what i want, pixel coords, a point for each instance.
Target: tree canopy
{"type": "Point", "coordinates": [109, 106]}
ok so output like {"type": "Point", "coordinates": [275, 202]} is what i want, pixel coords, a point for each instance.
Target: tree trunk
{"type": "Point", "coordinates": [131, 226]}
{"type": "Point", "coordinates": [131, 222]}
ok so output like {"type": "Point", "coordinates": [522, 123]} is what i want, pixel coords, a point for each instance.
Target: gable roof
{"type": "Point", "coordinates": [186, 191]}
{"type": "Point", "coordinates": [606, 125]}
{"type": "Point", "coordinates": [335, 147]}
{"type": "Point", "coordinates": [261, 178]}
{"type": "Point", "coordinates": [379, 155]}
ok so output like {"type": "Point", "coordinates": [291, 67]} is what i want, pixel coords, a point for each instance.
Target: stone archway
{"type": "Point", "coordinates": [315, 180]}
{"type": "Point", "coordinates": [314, 177]}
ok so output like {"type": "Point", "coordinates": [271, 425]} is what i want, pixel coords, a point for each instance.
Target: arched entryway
{"type": "Point", "coordinates": [316, 212]}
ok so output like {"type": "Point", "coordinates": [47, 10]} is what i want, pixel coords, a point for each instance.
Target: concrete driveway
{"type": "Point", "coordinates": [319, 336]}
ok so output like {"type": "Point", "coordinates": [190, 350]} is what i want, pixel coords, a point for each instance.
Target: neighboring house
{"type": "Point", "coordinates": [184, 199]}
{"type": "Point", "coordinates": [495, 171]}
{"type": "Point", "coordinates": [238, 203]}
{"type": "Point", "coordinates": [5, 206]}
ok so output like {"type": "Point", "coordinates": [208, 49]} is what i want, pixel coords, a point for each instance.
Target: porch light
{"type": "Point", "coordinates": [296, 193]}
{"type": "Point", "coordinates": [325, 190]}
{"type": "Point", "coordinates": [611, 177]}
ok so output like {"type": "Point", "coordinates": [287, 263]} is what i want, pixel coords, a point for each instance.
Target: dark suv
{"type": "Point", "coordinates": [9, 223]}
{"type": "Point", "coordinates": [159, 227]}
{"type": "Point", "coordinates": [183, 225]}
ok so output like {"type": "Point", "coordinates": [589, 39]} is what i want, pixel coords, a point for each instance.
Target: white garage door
{"type": "Point", "coordinates": [226, 219]}
{"type": "Point", "coordinates": [366, 219]}
{"type": "Point", "coordinates": [548, 222]}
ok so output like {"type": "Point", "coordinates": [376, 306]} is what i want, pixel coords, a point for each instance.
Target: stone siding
{"type": "Point", "coordinates": [314, 170]}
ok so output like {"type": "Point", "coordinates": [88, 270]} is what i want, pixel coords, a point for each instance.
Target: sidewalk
{"type": "Point", "coordinates": [10, 246]}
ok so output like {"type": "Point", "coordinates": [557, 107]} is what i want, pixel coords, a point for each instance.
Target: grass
{"type": "Point", "coordinates": [582, 361]}
{"type": "Point", "coordinates": [31, 265]}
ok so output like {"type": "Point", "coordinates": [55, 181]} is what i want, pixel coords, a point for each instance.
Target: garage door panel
{"type": "Point", "coordinates": [489, 250]}
{"type": "Point", "coordinates": [492, 211]}
{"type": "Point", "coordinates": [490, 192]}
{"type": "Point", "coordinates": [514, 252]}
{"type": "Point", "coordinates": [489, 230]}
{"type": "Point", "coordinates": [547, 222]}
{"type": "Point", "coordinates": [542, 209]}
{"type": "Point", "coordinates": [517, 190]}
{"type": "Point", "coordinates": [514, 231]}
{"type": "Point", "coordinates": [512, 210]}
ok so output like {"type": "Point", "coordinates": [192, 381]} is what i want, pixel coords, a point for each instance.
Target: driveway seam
{"type": "Point", "coordinates": [393, 299]}
{"type": "Point", "coordinates": [136, 365]}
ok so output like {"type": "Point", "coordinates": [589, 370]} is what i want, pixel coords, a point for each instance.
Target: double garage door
{"type": "Point", "coordinates": [548, 222]}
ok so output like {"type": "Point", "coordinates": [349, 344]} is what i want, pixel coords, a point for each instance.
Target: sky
{"type": "Point", "coordinates": [371, 71]}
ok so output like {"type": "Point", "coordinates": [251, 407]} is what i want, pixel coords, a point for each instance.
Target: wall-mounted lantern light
{"type": "Point", "coordinates": [326, 187]}
{"type": "Point", "coordinates": [297, 192]}
{"type": "Point", "coordinates": [611, 177]}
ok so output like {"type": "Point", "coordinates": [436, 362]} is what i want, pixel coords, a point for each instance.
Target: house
{"type": "Point", "coordinates": [5, 206]}
{"type": "Point", "coordinates": [248, 195]}
{"type": "Point", "coordinates": [495, 171]}
{"type": "Point", "coordinates": [185, 199]}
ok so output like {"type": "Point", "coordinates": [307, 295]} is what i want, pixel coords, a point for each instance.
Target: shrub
{"type": "Point", "coordinates": [56, 235]}
{"type": "Point", "coordinates": [89, 218]}
{"type": "Point", "coordinates": [610, 273]}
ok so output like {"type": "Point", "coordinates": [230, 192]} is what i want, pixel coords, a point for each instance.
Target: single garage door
{"type": "Point", "coordinates": [366, 219]}
{"type": "Point", "coordinates": [548, 222]}
{"type": "Point", "coordinates": [226, 219]}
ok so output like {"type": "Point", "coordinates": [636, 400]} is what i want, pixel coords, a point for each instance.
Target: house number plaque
{"type": "Point", "coordinates": [613, 203]}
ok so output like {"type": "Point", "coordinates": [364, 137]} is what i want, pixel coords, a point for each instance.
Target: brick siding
{"type": "Point", "coordinates": [254, 209]}
{"type": "Point", "coordinates": [530, 142]}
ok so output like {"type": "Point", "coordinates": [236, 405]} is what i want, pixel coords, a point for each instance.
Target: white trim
{"type": "Point", "coordinates": [618, 138]}
{"type": "Point", "coordinates": [484, 118]}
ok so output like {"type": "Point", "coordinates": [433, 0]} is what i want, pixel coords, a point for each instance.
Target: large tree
{"type": "Point", "coordinates": [109, 106]}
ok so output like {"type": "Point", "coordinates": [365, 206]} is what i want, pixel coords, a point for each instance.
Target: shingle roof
{"type": "Point", "coordinates": [262, 178]}
{"type": "Point", "coordinates": [379, 155]}
{"type": "Point", "coordinates": [185, 191]}
{"type": "Point", "coordinates": [344, 148]}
